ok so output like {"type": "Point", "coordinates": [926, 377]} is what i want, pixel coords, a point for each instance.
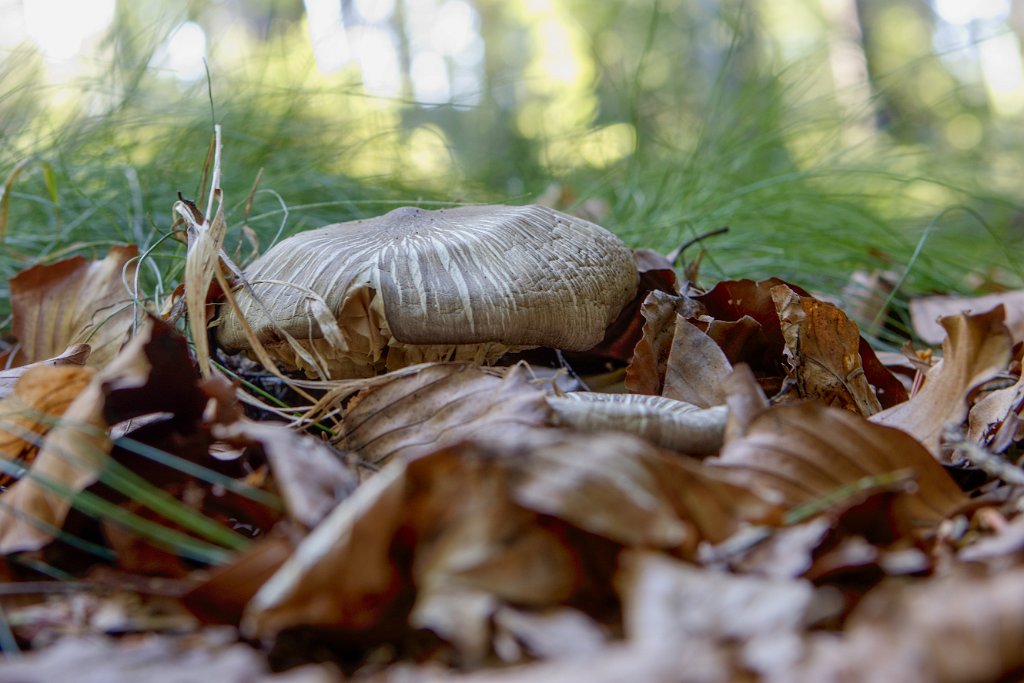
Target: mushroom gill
{"type": "Point", "coordinates": [468, 283]}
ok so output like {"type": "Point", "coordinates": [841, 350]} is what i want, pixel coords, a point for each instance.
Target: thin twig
{"type": "Point", "coordinates": [674, 255]}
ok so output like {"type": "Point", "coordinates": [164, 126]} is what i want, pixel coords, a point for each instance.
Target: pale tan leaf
{"type": "Point", "coordinates": [697, 367]}
{"type": "Point", "coordinates": [665, 600]}
{"type": "Point", "coordinates": [439, 405]}
{"type": "Point", "coordinates": [824, 348]}
{"type": "Point", "coordinates": [71, 457]}
{"type": "Point", "coordinates": [926, 313]}
{"type": "Point", "coordinates": [976, 349]}
{"type": "Point", "coordinates": [666, 422]}
{"type": "Point", "coordinates": [74, 301]}
{"type": "Point", "coordinates": [807, 451]}
{"type": "Point", "coordinates": [74, 355]}
{"type": "Point", "coordinates": [957, 629]}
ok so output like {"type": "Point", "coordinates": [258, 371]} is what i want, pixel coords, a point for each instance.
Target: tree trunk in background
{"type": "Point", "coordinates": [849, 65]}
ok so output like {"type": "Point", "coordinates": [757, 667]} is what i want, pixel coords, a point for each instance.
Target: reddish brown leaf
{"type": "Point", "coordinates": [823, 345]}
{"type": "Point", "coordinates": [976, 349]}
{"type": "Point", "coordinates": [808, 451]}
{"type": "Point", "coordinates": [71, 302]}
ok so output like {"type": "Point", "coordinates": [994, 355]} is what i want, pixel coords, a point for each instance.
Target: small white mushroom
{"type": "Point", "coordinates": [469, 283]}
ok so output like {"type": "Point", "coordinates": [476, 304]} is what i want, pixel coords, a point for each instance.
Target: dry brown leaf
{"type": "Point", "coordinates": [70, 459]}
{"type": "Point", "coordinates": [807, 451]}
{"type": "Point", "coordinates": [824, 348]}
{"type": "Point", "coordinates": [74, 301]}
{"type": "Point", "coordinates": [557, 633]}
{"type": "Point", "coordinates": [976, 349]}
{"type": "Point", "coordinates": [39, 399]}
{"type": "Point", "coordinates": [697, 368]}
{"type": "Point", "coordinates": [926, 313]}
{"type": "Point", "coordinates": [959, 629]}
{"type": "Point", "coordinates": [311, 476]}
{"type": "Point", "coordinates": [665, 422]}
{"type": "Point", "coordinates": [459, 532]}
{"type": "Point", "coordinates": [467, 546]}
{"type": "Point", "coordinates": [215, 656]}
{"type": "Point", "coordinates": [621, 488]}
{"type": "Point", "coordinates": [74, 355]}
{"type": "Point", "coordinates": [987, 416]}
{"type": "Point", "coordinates": [439, 405]}
{"type": "Point", "coordinates": [646, 371]}
{"type": "Point", "coordinates": [665, 600]}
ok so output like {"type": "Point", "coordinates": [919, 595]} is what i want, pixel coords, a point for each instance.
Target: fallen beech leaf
{"type": "Point", "coordinates": [222, 597]}
{"type": "Point", "coordinates": [646, 371]}
{"type": "Point", "coordinates": [824, 347]}
{"type": "Point", "coordinates": [151, 658]}
{"type": "Point", "coordinates": [39, 399]}
{"type": "Point", "coordinates": [310, 474]}
{"type": "Point", "coordinates": [697, 367]}
{"type": "Point", "coordinates": [439, 405]}
{"type": "Point", "coordinates": [807, 451]}
{"type": "Point", "coordinates": [74, 355]}
{"type": "Point", "coordinates": [74, 301]}
{"type": "Point", "coordinates": [665, 600]}
{"type": "Point", "coordinates": [988, 415]}
{"type": "Point", "coordinates": [947, 630]}
{"type": "Point", "coordinates": [619, 487]}
{"type": "Point", "coordinates": [926, 313]}
{"type": "Point", "coordinates": [466, 547]}
{"type": "Point", "coordinates": [75, 450]}
{"type": "Point", "coordinates": [669, 423]}
{"type": "Point", "coordinates": [461, 531]}
{"type": "Point", "coordinates": [732, 300]}
{"type": "Point", "coordinates": [549, 634]}
{"type": "Point", "coordinates": [976, 349]}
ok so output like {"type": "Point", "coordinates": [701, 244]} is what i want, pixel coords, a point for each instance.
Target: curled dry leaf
{"type": "Point", "coordinates": [439, 405]}
{"type": "Point", "coordinates": [74, 355]}
{"type": "Point", "coordinates": [646, 371]}
{"type": "Point", "coordinates": [73, 454]}
{"type": "Point", "coordinates": [808, 451]}
{"type": "Point", "coordinates": [666, 422]}
{"type": "Point", "coordinates": [697, 368]}
{"type": "Point", "coordinates": [621, 337]}
{"type": "Point", "coordinates": [480, 526]}
{"type": "Point", "coordinates": [468, 283]}
{"type": "Point", "coordinates": [71, 302]}
{"type": "Point", "coordinates": [995, 417]}
{"type": "Point", "coordinates": [311, 476]}
{"type": "Point", "coordinates": [824, 348]}
{"type": "Point", "coordinates": [40, 397]}
{"type": "Point", "coordinates": [976, 349]}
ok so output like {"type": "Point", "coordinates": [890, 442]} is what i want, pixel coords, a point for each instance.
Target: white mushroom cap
{"type": "Point", "coordinates": [413, 285]}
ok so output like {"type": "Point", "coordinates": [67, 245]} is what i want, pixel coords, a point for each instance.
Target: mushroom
{"type": "Point", "coordinates": [468, 283]}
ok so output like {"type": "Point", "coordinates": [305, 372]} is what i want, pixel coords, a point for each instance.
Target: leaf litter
{"type": "Point", "coordinates": [762, 500]}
